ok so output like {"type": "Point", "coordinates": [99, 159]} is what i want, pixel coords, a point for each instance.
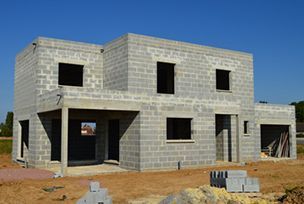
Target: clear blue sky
{"type": "Point", "coordinates": [272, 30]}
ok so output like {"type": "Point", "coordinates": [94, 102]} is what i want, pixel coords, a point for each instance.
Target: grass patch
{"type": "Point", "coordinates": [300, 149]}
{"type": "Point", "coordinates": [6, 146]}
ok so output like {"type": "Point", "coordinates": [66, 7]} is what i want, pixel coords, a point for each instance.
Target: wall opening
{"type": "Point", "coordinates": [81, 146]}
{"type": "Point", "coordinates": [222, 79]}
{"type": "Point", "coordinates": [113, 140]}
{"type": "Point", "coordinates": [246, 127]}
{"type": "Point", "coordinates": [70, 74]}
{"type": "Point", "coordinates": [223, 137]}
{"type": "Point", "coordinates": [275, 141]}
{"type": "Point", "coordinates": [24, 138]}
{"type": "Point", "coordinates": [179, 128]}
{"type": "Point", "coordinates": [165, 78]}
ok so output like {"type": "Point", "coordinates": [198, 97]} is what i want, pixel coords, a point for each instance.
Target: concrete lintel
{"type": "Point", "coordinates": [227, 110]}
{"type": "Point", "coordinates": [101, 104]}
{"type": "Point", "coordinates": [179, 114]}
{"type": "Point", "coordinates": [274, 122]}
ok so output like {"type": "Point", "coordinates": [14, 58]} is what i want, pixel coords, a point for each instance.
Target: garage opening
{"type": "Point", "coordinates": [275, 141]}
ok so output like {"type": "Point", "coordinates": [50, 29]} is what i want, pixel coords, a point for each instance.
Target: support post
{"type": "Point", "coordinates": [64, 140]}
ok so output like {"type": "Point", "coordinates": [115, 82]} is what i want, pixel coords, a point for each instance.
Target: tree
{"type": "Point", "coordinates": [7, 127]}
{"type": "Point", "coordinates": [299, 110]}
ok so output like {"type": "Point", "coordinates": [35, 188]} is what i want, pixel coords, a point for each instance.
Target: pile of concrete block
{"type": "Point", "coordinates": [96, 195]}
{"type": "Point", "coordinates": [234, 181]}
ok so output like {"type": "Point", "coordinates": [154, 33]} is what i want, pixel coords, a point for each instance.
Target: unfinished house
{"type": "Point", "coordinates": [144, 102]}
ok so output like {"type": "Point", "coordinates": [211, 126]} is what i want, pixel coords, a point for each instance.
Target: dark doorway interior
{"type": "Point", "coordinates": [275, 140]}
{"type": "Point", "coordinates": [223, 137]}
{"type": "Point", "coordinates": [80, 148]}
{"type": "Point", "coordinates": [113, 142]}
{"type": "Point", "coordinates": [24, 136]}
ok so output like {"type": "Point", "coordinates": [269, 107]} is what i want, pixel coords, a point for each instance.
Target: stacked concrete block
{"type": "Point", "coordinates": [234, 181]}
{"type": "Point", "coordinates": [96, 195]}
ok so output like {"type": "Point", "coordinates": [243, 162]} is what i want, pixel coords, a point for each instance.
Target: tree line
{"type": "Point", "coordinates": [299, 110]}
{"type": "Point", "coordinates": [6, 128]}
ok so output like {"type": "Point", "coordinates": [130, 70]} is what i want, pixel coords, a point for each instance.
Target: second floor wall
{"type": "Point", "coordinates": [137, 64]}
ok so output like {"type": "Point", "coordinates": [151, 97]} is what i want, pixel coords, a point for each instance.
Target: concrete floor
{"type": "Point", "coordinates": [90, 169]}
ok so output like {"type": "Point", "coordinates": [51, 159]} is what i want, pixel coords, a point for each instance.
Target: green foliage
{"type": "Point", "coordinates": [299, 110]}
{"type": "Point", "coordinates": [7, 127]}
{"type": "Point", "coordinates": [6, 146]}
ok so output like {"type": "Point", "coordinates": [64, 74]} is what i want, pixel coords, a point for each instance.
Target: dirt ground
{"type": "Point", "coordinates": [274, 177]}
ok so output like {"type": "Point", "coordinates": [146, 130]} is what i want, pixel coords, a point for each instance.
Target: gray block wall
{"type": "Point", "coordinates": [121, 75]}
{"type": "Point", "coordinates": [274, 114]}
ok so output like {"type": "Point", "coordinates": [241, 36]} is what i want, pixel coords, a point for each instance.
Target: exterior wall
{"type": "Point", "coordinates": [25, 92]}
{"type": "Point", "coordinates": [195, 78]}
{"type": "Point", "coordinates": [116, 64]}
{"type": "Point", "coordinates": [123, 76]}
{"type": "Point", "coordinates": [50, 52]}
{"type": "Point", "coordinates": [270, 114]}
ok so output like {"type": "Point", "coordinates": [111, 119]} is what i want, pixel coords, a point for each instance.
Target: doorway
{"type": "Point", "coordinates": [223, 137]}
{"type": "Point", "coordinates": [24, 137]}
{"type": "Point", "coordinates": [113, 141]}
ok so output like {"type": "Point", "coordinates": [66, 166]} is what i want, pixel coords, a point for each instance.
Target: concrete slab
{"type": "Point", "coordinates": [90, 170]}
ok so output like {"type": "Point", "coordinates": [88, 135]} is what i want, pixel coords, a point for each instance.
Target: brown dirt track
{"type": "Point", "coordinates": [274, 177]}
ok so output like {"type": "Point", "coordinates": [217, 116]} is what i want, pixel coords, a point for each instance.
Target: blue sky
{"type": "Point", "coordinates": [272, 30]}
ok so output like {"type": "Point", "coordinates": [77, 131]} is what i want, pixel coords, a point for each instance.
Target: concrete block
{"type": "Point", "coordinates": [248, 188]}
{"type": "Point", "coordinates": [94, 186]}
{"type": "Point", "coordinates": [235, 174]}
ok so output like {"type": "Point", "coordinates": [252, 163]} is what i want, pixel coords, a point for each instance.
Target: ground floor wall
{"type": "Point", "coordinates": [143, 142]}
{"type": "Point", "coordinates": [278, 118]}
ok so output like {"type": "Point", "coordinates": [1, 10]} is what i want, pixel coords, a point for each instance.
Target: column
{"type": "Point", "coordinates": [64, 139]}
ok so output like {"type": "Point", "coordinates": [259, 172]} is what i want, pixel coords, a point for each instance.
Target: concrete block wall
{"type": "Point", "coordinates": [124, 71]}
{"type": "Point", "coordinates": [116, 64]}
{"type": "Point", "coordinates": [51, 52]}
{"type": "Point", "coordinates": [274, 114]}
{"type": "Point", "coordinates": [24, 92]}
{"type": "Point", "coordinates": [195, 77]}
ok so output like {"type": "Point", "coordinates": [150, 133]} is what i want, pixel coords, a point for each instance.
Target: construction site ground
{"type": "Point", "coordinates": [275, 177]}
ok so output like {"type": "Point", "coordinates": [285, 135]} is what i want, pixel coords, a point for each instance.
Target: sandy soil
{"type": "Point", "coordinates": [274, 177]}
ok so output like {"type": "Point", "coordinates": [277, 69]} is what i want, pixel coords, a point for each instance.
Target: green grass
{"type": "Point", "coordinates": [6, 146]}
{"type": "Point", "coordinates": [300, 149]}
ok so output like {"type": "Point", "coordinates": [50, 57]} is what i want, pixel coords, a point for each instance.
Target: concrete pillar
{"type": "Point", "coordinates": [64, 139]}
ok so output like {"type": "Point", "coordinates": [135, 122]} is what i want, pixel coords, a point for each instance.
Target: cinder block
{"type": "Point", "coordinates": [235, 174]}
{"type": "Point", "coordinates": [248, 188]}
{"type": "Point", "coordinates": [94, 186]}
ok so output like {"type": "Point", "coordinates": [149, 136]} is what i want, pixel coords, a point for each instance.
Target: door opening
{"type": "Point", "coordinates": [113, 141]}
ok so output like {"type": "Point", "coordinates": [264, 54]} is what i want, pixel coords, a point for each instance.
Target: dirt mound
{"type": "Point", "coordinates": [295, 195]}
{"type": "Point", "coordinates": [208, 194]}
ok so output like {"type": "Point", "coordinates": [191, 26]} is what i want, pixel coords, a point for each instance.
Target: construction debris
{"type": "Point", "coordinates": [234, 181]}
{"type": "Point", "coordinates": [95, 195]}
{"type": "Point", "coordinates": [207, 194]}
{"type": "Point", "coordinates": [52, 188]}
